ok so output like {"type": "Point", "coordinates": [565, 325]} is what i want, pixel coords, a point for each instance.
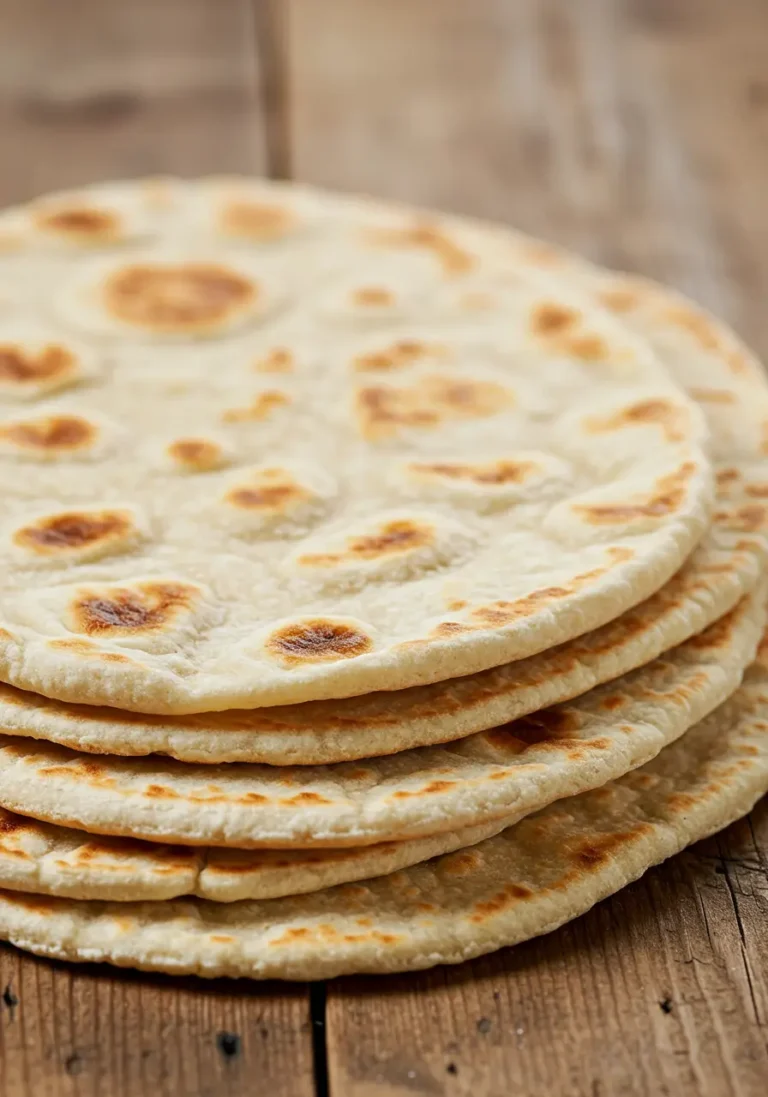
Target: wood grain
{"type": "Point", "coordinates": [69, 1030]}
{"type": "Point", "coordinates": [94, 90]}
{"type": "Point", "coordinates": [634, 132]}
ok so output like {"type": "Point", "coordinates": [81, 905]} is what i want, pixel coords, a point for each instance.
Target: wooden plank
{"type": "Point", "coordinates": [660, 990]}
{"type": "Point", "coordinates": [631, 130]}
{"type": "Point", "coordinates": [91, 91]}
{"type": "Point", "coordinates": [634, 132]}
{"type": "Point", "coordinates": [77, 1030]}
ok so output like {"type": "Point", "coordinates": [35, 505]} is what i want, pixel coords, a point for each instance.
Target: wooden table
{"type": "Point", "coordinates": [633, 130]}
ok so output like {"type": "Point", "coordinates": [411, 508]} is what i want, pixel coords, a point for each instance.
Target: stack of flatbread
{"type": "Point", "coordinates": [378, 588]}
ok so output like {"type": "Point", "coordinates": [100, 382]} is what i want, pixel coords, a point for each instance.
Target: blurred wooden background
{"type": "Point", "coordinates": [633, 130]}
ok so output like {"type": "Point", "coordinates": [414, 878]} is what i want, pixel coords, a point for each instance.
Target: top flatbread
{"type": "Point", "coordinates": [272, 448]}
{"type": "Point", "coordinates": [725, 565]}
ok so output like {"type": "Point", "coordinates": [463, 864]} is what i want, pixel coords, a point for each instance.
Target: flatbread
{"type": "Point", "coordinates": [49, 860]}
{"type": "Point", "coordinates": [727, 564]}
{"type": "Point", "coordinates": [184, 531]}
{"type": "Point", "coordinates": [723, 568]}
{"type": "Point", "coordinates": [499, 774]}
{"type": "Point", "coordinates": [533, 877]}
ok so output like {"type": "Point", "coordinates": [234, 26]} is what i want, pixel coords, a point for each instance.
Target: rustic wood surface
{"type": "Point", "coordinates": [633, 130]}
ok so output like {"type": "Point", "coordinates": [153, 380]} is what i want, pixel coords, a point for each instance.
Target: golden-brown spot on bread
{"type": "Point", "coordinates": [252, 798]}
{"type": "Point", "coordinates": [148, 606]}
{"type": "Point", "coordinates": [587, 347]}
{"type": "Point", "coordinates": [739, 363]}
{"type": "Point", "coordinates": [757, 491]}
{"type": "Point", "coordinates": [277, 360]}
{"type": "Point", "coordinates": [160, 792]}
{"type": "Point", "coordinates": [260, 408]}
{"type": "Point", "coordinates": [317, 640]}
{"type": "Point", "coordinates": [269, 490]}
{"type": "Point", "coordinates": [449, 628]}
{"type": "Point", "coordinates": [427, 790]}
{"type": "Point", "coordinates": [80, 223]}
{"type": "Point", "coordinates": [177, 297]}
{"type": "Point", "coordinates": [727, 476]}
{"type": "Point", "coordinates": [50, 434]}
{"type": "Point", "coordinates": [547, 727]}
{"type": "Point", "coordinates": [502, 612]}
{"type": "Point", "coordinates": [307, 798]}
{"type": "Point", "coordinates": [462, 863]}
{"type": "Point", "coordinates": [391, 539]}
{"type": "Point", "coordinates": [645, 780]}
{"type": "Point", "coordinates": [720, 633]}
{"type": "Point", "coordinates": [299, 933]}
{"type": "Point", "coordinates": [73, 530]}
{"type": "Point", "coordinates": [455, 604]}
{"type": "Point", "coordinates": [359, 773]}
{"type": "Point", "coordinates": [383, 410]}
{"type": "Point", "coordinates": [749, 518]}
{"type": "Point", "coordinates": [619, 300]}
{"type": "Point", "coordinates": [18, 366]}
{"type": "Point", "coordinates": [509, 895]}
{"type": "Point", "coordinates": [592, 853]}
{"type": "Point", "coordinates": [695, 324]}
{"type": "Point", "coordinates": [681, 801]}
{"type": "Point", "coordinates": [612, 702]}
{"type": "Point", "coordinates": [401, 353]}
{"type": "Point", "coordinates": [373, 297]}
{"type": "Point", "coordinates": [5, 635]}
{"type": "Point", "coordinates": [85, 647]}
{"type": "Point", "coordinates": [666, 498]}
{"type": "Point", "coordinates": [252, 220]}
{"type": "Point", "coordinates": [551, 318]}
{"type": "Point", "coordinates": [490, 474]}
{"type": "Point", "coordinates": [671, 417]}
{"type": "Point", "coordinates": [196, 454]}
{"type": "Point", "coordinates": [712, 396]}
{"type": "Point", "coordinates": [220, 938]}
{"type": "Point", "coordinates": [428, 236]}
{"type": "Point", "coordinates": [91, 771]}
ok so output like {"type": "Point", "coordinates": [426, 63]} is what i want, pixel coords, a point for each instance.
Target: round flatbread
{"type": "Point", "coordinates": [726, 565]}
{"type": "Point", "coordinates": [49, 860]}
{"type": "Point", "coordinates": [527, 881]}
{"type": "Point", "coordinates": [264, 486]}
{"type": "Point", "coordinates": [504, 773]}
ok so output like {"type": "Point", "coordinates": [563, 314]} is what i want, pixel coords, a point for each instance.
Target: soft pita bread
{"type": "Point", "coordinates": [534, 876]}
{"type": "Point", "coordinates": [499, 774]}
{"type": "Point", "coordinates": [724, 567]}
{"type": "Point", "coordinates": [184, 532]}
{"type": "Point", "coordinates": [49, 860]}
